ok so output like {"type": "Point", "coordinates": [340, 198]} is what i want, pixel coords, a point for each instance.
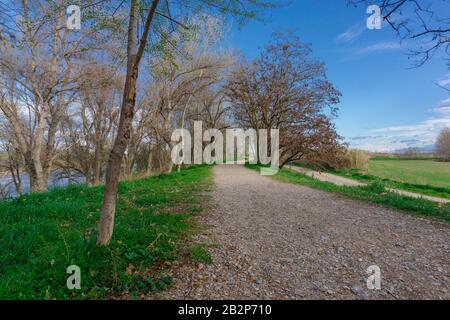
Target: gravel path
{"type": "Point", "coordinates": [341, 181]}
{"type": "Point", "coordinates": [283, 241]}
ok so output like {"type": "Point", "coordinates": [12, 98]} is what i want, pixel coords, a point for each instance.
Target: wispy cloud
{"type": "Point", "coordinates": [380, 47]}
{"type": "Point", "coordinates": [443, 107]}
{"type": "Point", "coordinates": [444, 82]}
{"type": "Point", "coordinates": [351, 33]}
{"type": "Point", "coordinates": [398, 137]}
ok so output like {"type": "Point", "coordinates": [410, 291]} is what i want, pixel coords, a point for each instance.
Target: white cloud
{"type": "Point", "coordinates": [380, 47]}
{"type": "Point", "coordinates": [443, 107]}
{"type": "Point", "coordinates": [351, 33]}
{"type": "Point", "coordinates": [399, 137]}
{"type": "Point", "coordinates": [444, 82]}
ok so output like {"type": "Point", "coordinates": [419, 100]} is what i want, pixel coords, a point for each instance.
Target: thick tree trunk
{"type": "Point", "coordinates": [126, 116]}
{"type": "Point", "coordinates": [38, 183]}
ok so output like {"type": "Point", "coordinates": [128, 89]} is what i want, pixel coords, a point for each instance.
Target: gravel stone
{"type": "Point", "coordinates": [274, 240]}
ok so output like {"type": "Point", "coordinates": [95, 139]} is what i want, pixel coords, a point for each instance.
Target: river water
{"type": "Point", "coordinates": [55, 180]}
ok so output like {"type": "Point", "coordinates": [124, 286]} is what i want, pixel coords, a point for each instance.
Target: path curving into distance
{"type": "Point", "coordinates": [341, 181]}
{"type": "Point", "coordinates": [273, 240]}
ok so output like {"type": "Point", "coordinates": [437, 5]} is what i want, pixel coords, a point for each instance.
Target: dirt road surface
{"type": "Point", "coordinates": [273, 240]}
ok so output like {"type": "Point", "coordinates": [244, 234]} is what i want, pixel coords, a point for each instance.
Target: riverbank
{"type": "Point", "coordinates": [42, 234]}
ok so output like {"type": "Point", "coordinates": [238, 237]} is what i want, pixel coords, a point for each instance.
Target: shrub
{"type": "Point", "coordinates": [443, 144]}
{"type": "Point", "coordinates": [357, 159]}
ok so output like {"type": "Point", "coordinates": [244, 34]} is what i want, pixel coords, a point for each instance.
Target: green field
{"type": "Point", "coordinates": [423, 172]}
{"type": "Point", "coordinates": [425, 177]}
{"type": "Point", "coordinates": [42, 234]}
{"type": "Point", "coordinates": [374, 192]}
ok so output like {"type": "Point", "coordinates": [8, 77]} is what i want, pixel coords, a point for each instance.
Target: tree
{"type": "Point", "coordinates": [135, 51]}
{"type": "Point", "coordinates": [134, 56]}
{"type": "Point", "coordinates": [443, 144]}
{"type": "Point", "coordinates": [409, 152]}
{"type": "Point", "coordinates": [88, 129]}
{"type": "Point", "coordinates": [12, 163]}
{"type": "Point", "coordinates": [427, 22]}
{"type": "Point", "coordinates": [39, 67]}
{"type": "Point", "coordinates": [286, 89]}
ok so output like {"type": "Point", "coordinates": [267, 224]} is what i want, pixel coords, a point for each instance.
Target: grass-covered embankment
{"type": "Point", "coordinates": [42, 234]}
{"type": "Point", "coordinates": [374, 193]}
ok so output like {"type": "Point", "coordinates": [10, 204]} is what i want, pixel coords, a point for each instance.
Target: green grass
{"type": "Point", "coordinates": [200, 253]}
{"type": "Point", "coordinates": [374, 193]}
{"type": "Point", "coordinates": [425, 177]}
{"type": "Point", "coordinates": [42, 234]}
{"type": "Point", "coordinates": [425, 189]}
{"type": "Point", "coordinates": [419, 172]}
{"type": "Point", "coordinates": [418, 157]}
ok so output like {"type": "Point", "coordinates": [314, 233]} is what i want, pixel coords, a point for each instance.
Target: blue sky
{"type": "Point", "coordinates": [386, 104]}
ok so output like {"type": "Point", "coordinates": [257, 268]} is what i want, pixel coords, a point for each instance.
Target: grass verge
{"type": "Point", "coordinates": [42, 234]}
{"type": "Point", "coordinates": [374, 193]}
{"type": "Point", "coordinates": [425, 189]}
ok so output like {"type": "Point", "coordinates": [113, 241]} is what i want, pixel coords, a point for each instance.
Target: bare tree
{"type": "Point", "coordinates": [409, 152]}
{"type": "Point", "coordinates": [12, 163]}
{"type": "Point", "coordinates": [38, 76]}
{"type": "Point", "coordinates": [443, 144]}
{"type": "Point", "coordinates": [89, 127]}
{"type": "Point", "coordinates": [426, 21]}
{"type": "Point", "coordinates": [135, 52]}
{"type": "Point", "coordinates": [286, 89]}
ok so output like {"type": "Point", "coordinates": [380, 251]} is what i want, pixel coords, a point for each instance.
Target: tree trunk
{"type": "Point", "coordinates": [149, 162]}
{"type": "Point", "coordinates": [37, 182]}
{"type": "Point", "coordinates": [128, 167]}
{"type": "Point", "coordinates": [97, 167]}
{"type": "Point", "coordinates": [129, 160]}
{"type": "Point", "coordinates": [126, 116]}
{"type": "Point", "coordinates": [17, 180]}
